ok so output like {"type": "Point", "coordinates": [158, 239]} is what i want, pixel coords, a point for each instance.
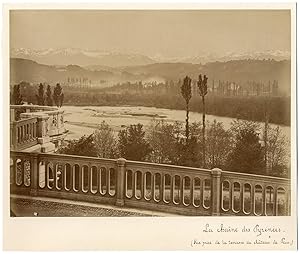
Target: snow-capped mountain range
{"type": "Point", "coordinates": [85, 57]}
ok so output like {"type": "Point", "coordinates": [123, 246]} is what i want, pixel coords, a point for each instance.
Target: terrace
{"type": "Point", "coordinates": [37, 172]}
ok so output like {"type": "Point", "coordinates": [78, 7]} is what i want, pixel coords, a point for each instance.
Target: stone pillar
{"type": "Point", "coordinates": [121, 167]}
{"type": "Point", "coordinates": [34, 174]}
{"type": "Point", "coordinates": [216, 191]}
{"type": "Point", "coordinates": [42, 128]}
{"type": "Point", "coordinates": [13, 135]}
{"type": "Point", "coordinates": [43, 135]}
{"type": "Point", "coordinates": [12, 115]}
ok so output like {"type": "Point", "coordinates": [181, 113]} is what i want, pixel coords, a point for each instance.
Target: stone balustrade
{"type": "Point", "coordinates": [176, 189]}
{"type": "Point", "coordinates": [49, 123]}
{"type": "Point", "coordinates": [23, 133]}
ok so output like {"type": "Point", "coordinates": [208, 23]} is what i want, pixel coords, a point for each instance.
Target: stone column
{"type": "Point", "coordinates": [34, 174]}
{"type": "Point", "coordinates": [43, 134]}
{"type": "Point", "coordinates": [216, 191]}
{"type": "Point", "coordinates": [13, 135]}
{"type": "Point", "coordinates": [121, 167]}
{"type": "Point", "coordinates": [42, 131]}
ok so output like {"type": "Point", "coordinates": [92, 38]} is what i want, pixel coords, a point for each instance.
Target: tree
{"type": "Point", "coordinates": [85, 146]}
{"type": "Point", "coordinates": [41, 95]}
{"type": "Point", "coordinates": [105, 142]}
{"type": "Point", "coordinates": [132, 143]}
{"type": "Point", "coordinates": [218, 145]}
{"type": "Point", "coordinates": [186, 93]}
{"type": "Point", "coordinates": [277, 152]}
{"type": "Point", "coordinates": [163, 139]}
{"type": "Point", "coordinates": [202, 85]}
{"type": "Point", "coordinates": [247, 155]}
{"type": "Point", "coordinates": [49, 100]}
{"type": "Point", "coordinates": [58, 95]}
{"type": "Point", "coordinates": [16, 96]}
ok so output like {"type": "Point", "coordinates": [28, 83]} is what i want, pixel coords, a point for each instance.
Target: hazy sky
{"type": "Point", "coordinates": [166, 33]}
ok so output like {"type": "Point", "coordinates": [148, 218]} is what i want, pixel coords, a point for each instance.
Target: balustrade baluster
{"type": "Point", "coordinates": [242, 202]}
{"type": "Point", "coordinates": [152, 185]}
{"type": "Point", "coordinates": [181, 190]}
{"type": "Point", "coordinates": [89, 177]}
{"type": "Point", "coordinates": [162, 188]}
{"type": "Point", "coordinates": [98, 173]}
{"type": "Point", "coordinates": [172, 189]}
{"type": "Point", "coordinates": [264, 207]}
{"type": "Point", "coordinates": [275, 207]}
{"type": "Point", "coordinates": [31, 131]}
{"type": "Point", "coordinates": [22, 171]}
{"type": "Point", "coordinates": [80, 185]}
{"type": "Point", "coordinates": [143, 183]}
{"type": "Point", "coordinates": [23, 134]}
{"type": "Point", "coordinates": [191, 191]}
{"type": "Point", "coordinates": [70, 178]}
{"type": "Point", "coordinates": [34, 129]}
{"type": "Point", "coordinates": [252, 199]}
{"type": "Point", "coordinates": [164, 192]}
{"type": "Point", "coordinates": [34, 174]}
{"type": "Point", "coordinates": [13, 171]}
{"type": "Point", "coordinates": [107, 180]}
{"type": "Point", "coordinates": [134, 183]}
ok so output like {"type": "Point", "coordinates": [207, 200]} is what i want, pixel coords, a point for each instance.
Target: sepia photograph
{"type": "Point", "coordinates": [149, 127]}
{"type": "Point", "coordinates": [150, 112]}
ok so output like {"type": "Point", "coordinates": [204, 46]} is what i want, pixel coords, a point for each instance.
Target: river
{"type": "Point", "coordinates": [83, 120]}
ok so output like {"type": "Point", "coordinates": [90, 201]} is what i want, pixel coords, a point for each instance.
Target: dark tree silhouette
{"type": "Point", "coordinates": [41, 95]}
{"type": "Point", "coordinates": [247, 155]}
{"type": "Point", "coordinates": [202, 85]}
{"type": "Point", "coordinates": [186, 92]}
{"type": "Point", "coordinates": [17, 96]}
{"type": "Point", "coordinates": [132, 143]}
{"type": "Point", "coordinates": [49, 100]}
{"type": "Point", "coordinates": [84, 146]}
{"type": "Point", "coordinates": [58, 95]}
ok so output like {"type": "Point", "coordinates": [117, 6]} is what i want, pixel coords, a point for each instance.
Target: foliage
{"type": "Point", "coordinates": [58, 95]}
{"type": "Point", "coordinates": [49, 100]}
{"type": "Point", "coordinates": [247, 154]}
{"type": "Point", "coordinates": [189, 152]}
{"type": "Point", "coordinates": [17, 98]}
{"type": "Point", "coordinates": [163, 139]}
{"type": "Point", "coordinates": [277, 152]}
{"type": "Point", "coordinates": [132, 143]}
{"type": "Point", "coordinates": [202, 86]}
{"type": "Point", "coordinates": [168, 96]}
{"type": "Point", "coordinates": [105, 142]}
{"type": "Point", "coordinates": [186, 92]}
{"type": "Point", "coordinates": [84, 147]}
{"type": "Point", "coordinates": [218, 145]}
{"type": "Point", "coordinates": [40, 97]}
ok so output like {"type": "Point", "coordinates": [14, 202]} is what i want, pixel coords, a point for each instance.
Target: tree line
{"type": "Point", "coordinates": [236, 149]}
{"type": "Point", "coordinates": [42, 97]}
{"type": "Point", "coordinates": [203, 144]}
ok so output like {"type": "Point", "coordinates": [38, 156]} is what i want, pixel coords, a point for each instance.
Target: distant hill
{"type": "Point", "coordinates": [239, 71]}
{"type": "Point", "coordinates": [33, 72]}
